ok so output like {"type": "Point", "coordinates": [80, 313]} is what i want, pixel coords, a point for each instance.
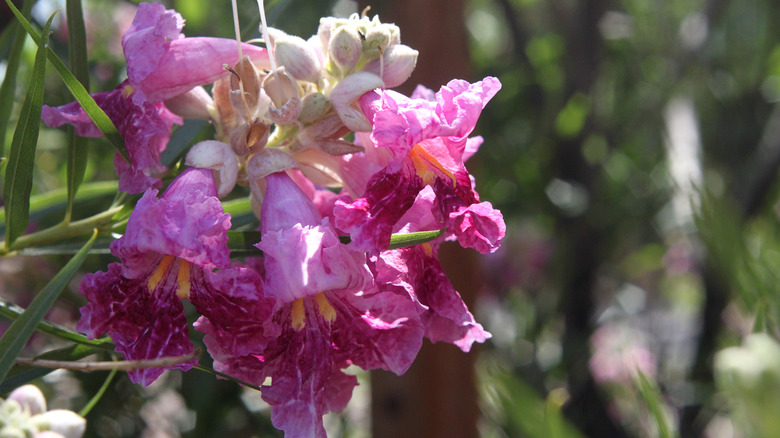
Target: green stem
{"type": "Point", "coordinates": [62, 231]}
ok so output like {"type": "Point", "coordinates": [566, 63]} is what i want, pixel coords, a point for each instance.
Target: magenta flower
{"type": "Point", "coordinates": [171, 246]}
{"type": "Point", "coordinates": [416, 272]}
{"type": "Point", "coordinates": [330, 315]}
{"type": "Point", "coordinates": [161, 64]}
{"type": "Point", "coordinates": [146, 128]}
{"type": "Point", "coordinates": [428, 143]}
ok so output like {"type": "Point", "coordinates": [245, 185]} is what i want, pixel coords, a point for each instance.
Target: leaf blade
{"type": "Point", "coordinates": [14, 339]}
{"type": "Point", "coordinates": [77, 146]}
{"type": "Point", "coordinates": [19, 172]}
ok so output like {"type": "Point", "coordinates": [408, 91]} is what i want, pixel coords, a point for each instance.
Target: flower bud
{"type": "Point", "coordinates": [345, 48]}
{"type": "Point", "coordinates": [29, 397]}
{"type": "Point", "coordinates": [380, 36]}
{"type": "Point", "coordinates": [327, 26]}
{"type": "Point", "coordinates": [194, 104]}
{"type": "Point", "coordinates": [66, 423]}
{"type": "Point", "coordinates": [266, 162]}
{"type": "Point", "coordinates": [297, 56]}
{"type": "Point", "coordinates": [286, 105]}
{"type": "Point", "coordinates": [219, 157]}
{"type": "Point", "coordinates": [344, 95]}
{"type": "Point", "coordinates": [315, 106]}
{"type": "Point", "coordinates": [397, 62]}
{"type": "Point", "coordinates": [248, 138]}
{"type": "Point", "coordinates": [245, 88]}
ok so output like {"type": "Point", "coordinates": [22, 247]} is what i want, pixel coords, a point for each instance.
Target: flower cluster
{"type": "Point", "coordinates": [295, 318]}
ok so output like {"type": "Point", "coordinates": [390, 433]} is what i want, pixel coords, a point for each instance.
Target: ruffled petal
{"type": "Point", "coordinates": [145, 127]}
{"type": "Point", "coordinates": [143, 325]}
{"type": "Point", "coordinates": [444, 315]}
{"type": "Point", "coordinates": [370, 220]}
{"type": "Point", "coordinates": [186, 222]}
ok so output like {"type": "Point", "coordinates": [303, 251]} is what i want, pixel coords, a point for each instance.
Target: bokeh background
{"type": "Point", "coordinates": [633, 150]}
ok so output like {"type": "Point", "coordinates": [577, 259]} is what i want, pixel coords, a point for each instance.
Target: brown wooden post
{"type": "Point", "coordinates": [437, 397]}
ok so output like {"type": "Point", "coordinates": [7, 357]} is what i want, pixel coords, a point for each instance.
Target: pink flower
{"type": "Point", "coordinates": [330, 316]}
{"type": "Point", "coordinates": [161, 64]}
{"type": "Point", "coordinates": [146, 128]}
{"type": "Point", "coordinates": [428, 143]}
{"type": "Point", "coordinates": [416, 272]}
{"type": "Point", "coordinates": [171, 246]}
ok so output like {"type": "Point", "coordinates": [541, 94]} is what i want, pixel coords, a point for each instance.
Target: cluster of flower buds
{"type": "Point", "coordinates": [23, 415]}
{"type": "Point", "coordinates": [311, 305]}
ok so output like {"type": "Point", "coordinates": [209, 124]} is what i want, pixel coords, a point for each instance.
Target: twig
{"type": "Point", "coordinates": [123, 365]}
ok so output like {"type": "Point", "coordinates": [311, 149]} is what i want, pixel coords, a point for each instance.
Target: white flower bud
{"type": "Point", "coordinates": [218, 157]}
{"type": "Point", "coordinates": [194, 104]}
{"type": "Point", "coordinates": [266, 162]}
{"type": "Point", "coordinates": [345, 48]}
{"type": "Point", "coordinates": [297, 57]}
{"type": "Point", "coordinates": [66, 423]}
{"type": "Point", "coordinates": [380, 36]}
{"type": "Point", "coordinates": [398, 63]}
{"type": "Point", "coordinates": [344, 97]}
{"type": "Point", "coordinates": [286, 105]}
{"type": "Point", "coordinates": [326, 28]}
{"type": "Point", "coordinates": [315, 106]}
{"type": "Point", "coordinates": [29, 397]}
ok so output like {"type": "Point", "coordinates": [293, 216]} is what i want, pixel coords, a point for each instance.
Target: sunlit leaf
{"type": "Point", "coordinates": [77, 146]}
{"type": "Point", "coordinates": [98, 116]}
{"type": "Point", "coordinates": [19, 172]}
{"type": "Point", "coordinates": [8, 88]}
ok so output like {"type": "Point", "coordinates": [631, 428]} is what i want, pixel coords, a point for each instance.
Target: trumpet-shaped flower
{"type": "Point", "coordinates": [145, 126]}
{"type": "Point", "coordinates": [416, 271]}
{"type": "Point", "coordinates": [330, 316]}
{"type": "Point", "coordinates": [428, 142]}
{"type": "Point", "coordinates": [172, 245]}
{"type": "Point", "coordinates": [161, 64]}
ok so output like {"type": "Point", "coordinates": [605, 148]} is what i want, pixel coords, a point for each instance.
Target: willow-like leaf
{"type": "Point", "coordinates": [78, 147]}
{"type": "Point", "coordinates": [19, 332]}
{"type": "Point", "coordinates": [12, 312]}
{"type": "Point", "coordinates": [411, 239]}
{"type": "Point", "coordinates": [19, 374]}
{"type": "Point", "coordinates": [8, 88]}
{"type": "Point", "coordinates": [19, 172]}
{"type": "Point", "coordinates": [98, 116]}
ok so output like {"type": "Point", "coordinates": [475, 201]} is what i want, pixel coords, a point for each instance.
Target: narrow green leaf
{"type": "Point", "coordinates": [411, 239]}
{"type": "Point", "coordinates": [8, 88]}
{"type": "Point", "coordinates": [19, 375]}
{"type": "Point", "coordinates": [77, 146]}
{"type": "Point", "coordinates": [19, 173]}
{"type": "Point", "coordinates": [86, 101]}
{"type": "Point", "coordinates": [96, 398]}
{"type": "Point", "coordinates": [19, 332]}
{"type": "Point", "coordinates": [13, 312]}
{"type": "Point", "coordinates": [652, 396]}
